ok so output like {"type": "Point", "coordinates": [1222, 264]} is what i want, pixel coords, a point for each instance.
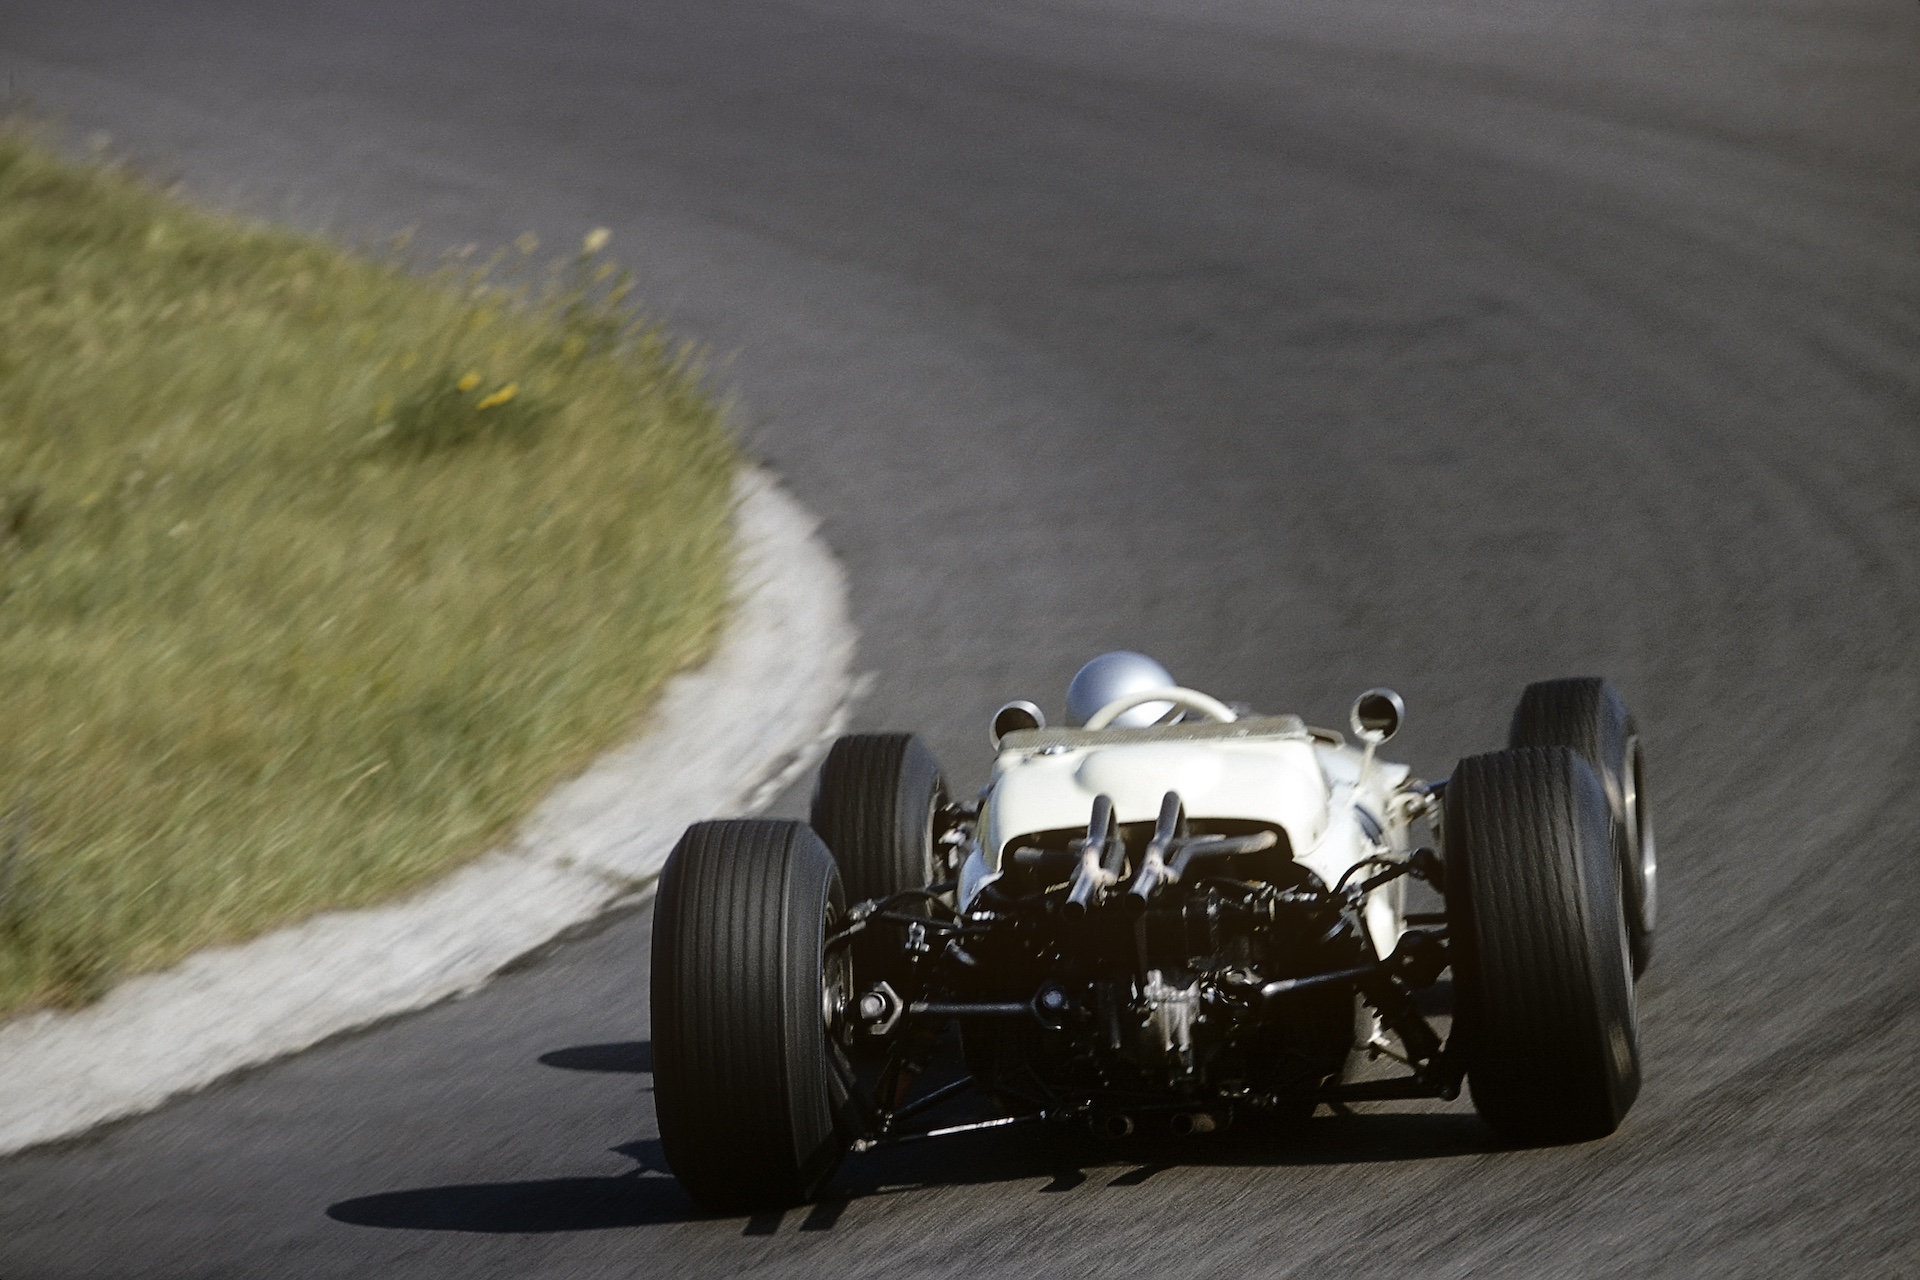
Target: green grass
{"type": "Point", "coordinates": [314, 574]}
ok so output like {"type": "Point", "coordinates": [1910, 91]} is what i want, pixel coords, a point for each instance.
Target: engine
{"type": "Point", "coordinates": [1116, 969]}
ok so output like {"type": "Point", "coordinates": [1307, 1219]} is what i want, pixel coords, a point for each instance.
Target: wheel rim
{"type": "Point", "coordinates": [933, 866]}
{"type": "Point", "coordinates": [836, 980]}
{"type": "Point", "coordinates": [1640, 829]}
{"type": "Point", "coordinates": [1626, 954]}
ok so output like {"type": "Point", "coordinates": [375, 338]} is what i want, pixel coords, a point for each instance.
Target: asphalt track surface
{"type": "Point", "coordinates": [1304, 344]}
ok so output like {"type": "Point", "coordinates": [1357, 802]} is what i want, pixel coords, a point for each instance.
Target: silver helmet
{"type": "Point", "coordinates": [1115, 675]}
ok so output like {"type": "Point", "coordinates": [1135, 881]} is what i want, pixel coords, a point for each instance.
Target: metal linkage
{"type": "Point", "coordinates": [970, 1008]}
{"type": "Point", "coordinates": [1422, 864]}
{"type": "Point", "coordinates": [862, 915]}
{"type": "Point", "coordinates": [873, 1125]}
{"type": "Point", "coordinates": [1338, 977]}
{"type": "Point", "coordinates": [1417, 961]}
{"type": "Point", "coordinates": [928, 1102]}
{"type": "Point", "coordinates": [896, 1140]}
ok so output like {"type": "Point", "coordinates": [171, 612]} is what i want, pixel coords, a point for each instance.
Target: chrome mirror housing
{"type": "Point", "coordinates": [1016, 715]}
{"type": "Point", "coordinates": [1376, 716]}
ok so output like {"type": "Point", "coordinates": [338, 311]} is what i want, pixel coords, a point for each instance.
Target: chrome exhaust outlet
{"type": "Point", "coordinates": [1153, 865]}
{"type": "Point", "coordinates": [1098, 860]}
{"type": "Point", "coordinates": [1185, 1124]}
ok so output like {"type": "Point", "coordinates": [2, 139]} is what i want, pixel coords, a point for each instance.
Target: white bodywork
{"type": "Point", "coordinates": [1335, 806]}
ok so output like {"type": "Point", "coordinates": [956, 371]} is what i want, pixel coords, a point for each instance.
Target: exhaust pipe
{"type": "Point", "coordinates": [1112, 1125]}
{"type": "Point", "coordinates": [1185, 1124]}
{"type": "Point", "coordinates": [1153, 864]}
{"type": "Point", "coordinates": [1092, 876]}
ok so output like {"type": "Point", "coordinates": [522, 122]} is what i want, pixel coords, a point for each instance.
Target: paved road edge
{"type": "Point", "coordinates": [725, 739]}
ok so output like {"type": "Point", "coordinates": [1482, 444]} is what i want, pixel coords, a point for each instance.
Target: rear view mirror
{"type": "Point", "coordinates": [1016, 715]}
{"type": "Point", "coordinates": [1376, 716]}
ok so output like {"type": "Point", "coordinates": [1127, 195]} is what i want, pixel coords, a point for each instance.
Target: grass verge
{"type": "Point", "coordinates": [314, 574]}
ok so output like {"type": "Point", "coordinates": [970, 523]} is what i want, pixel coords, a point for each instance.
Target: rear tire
{"type": "Point", "coordinates": [743, 1088]}
{"type": "Point", "coordinates": [1586, 714]}
{"type": "Point", "coordinates": [1543, 974]}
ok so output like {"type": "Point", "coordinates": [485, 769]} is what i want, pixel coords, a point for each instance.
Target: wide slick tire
{"type": "Point", "coordinates": [744, 1089]}
{"type": "Point", "coordinates": [1543, 972]}
{"type": "Point", "coordinates": [1586, 714]}
{"type": "Point", "coordinates": [875, 804]}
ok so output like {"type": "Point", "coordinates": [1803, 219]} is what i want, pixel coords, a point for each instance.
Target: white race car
{"type": "Point", "coordinates": [1171, 914]}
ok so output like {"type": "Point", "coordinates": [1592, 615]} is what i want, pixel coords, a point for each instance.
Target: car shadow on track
{"type": "Point", "coordinates": [1066, 1160]}
{"type": "Point", "coordinates": [1070, 1160]}
{"type": "Point", "coordinates": [627, 1056]}
{"type": "Point", "coordinates": [525, 1208]}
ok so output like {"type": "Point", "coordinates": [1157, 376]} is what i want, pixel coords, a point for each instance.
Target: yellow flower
{"type": "Point", "coordinates": [500, 397]}
{"type": "Point", "coordinates": [596, 241]}
{"type": "Point", "coordinates": [467, 383]}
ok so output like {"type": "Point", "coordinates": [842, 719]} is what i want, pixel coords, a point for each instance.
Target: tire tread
{"type": "Point", "coordinates": [739, 1074]}
{"type": "Point", "coordinates": [866, 807]}
{"type": "Point", "coordinates": [1530, 892]}
{"type": "Point", "coordinates": [1589, 716]}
